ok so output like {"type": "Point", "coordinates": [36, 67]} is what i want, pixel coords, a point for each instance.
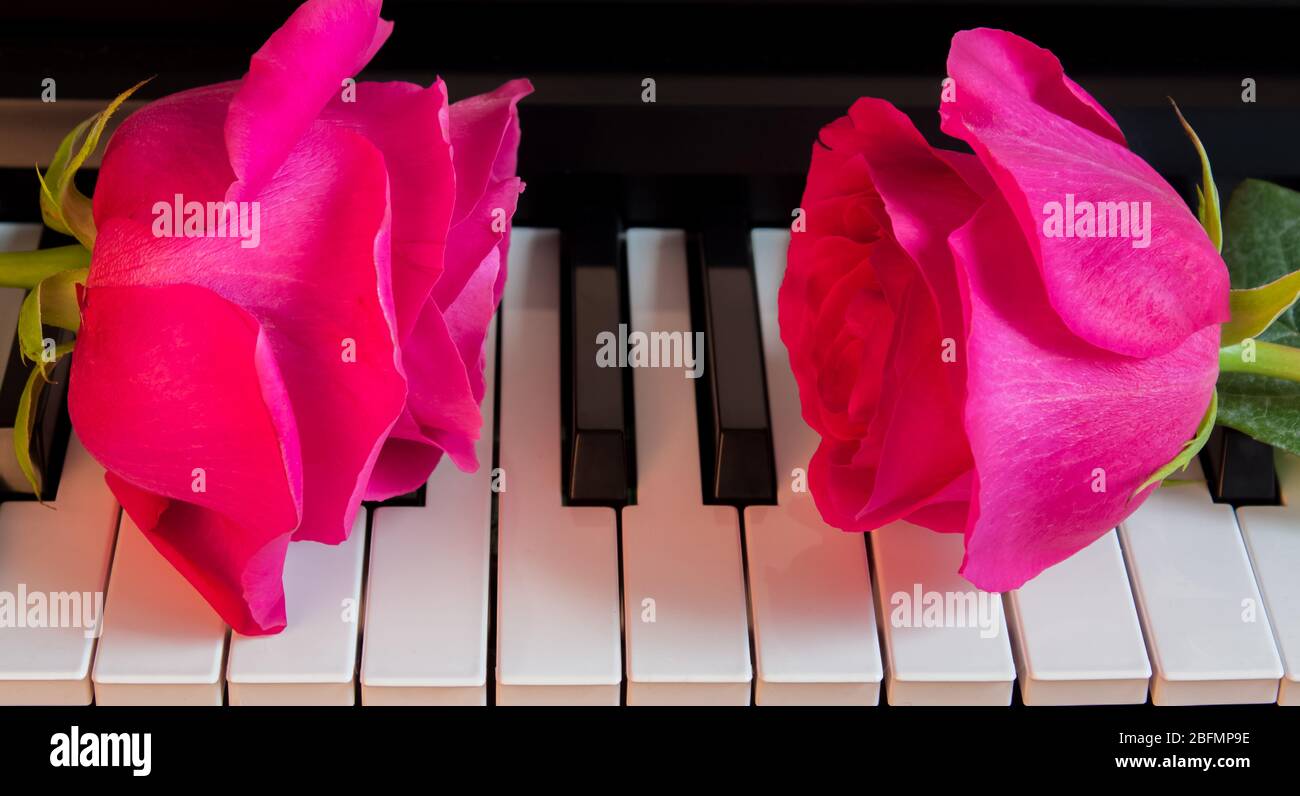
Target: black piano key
{"type": "Point", "coordinates": [1239, 469]}
{"type": "Point", "coordinates": [598, 451]}
{"type": "Point", "coordinates": [772, 199]}
{"type": "Point", "coordinates": [731, 395]}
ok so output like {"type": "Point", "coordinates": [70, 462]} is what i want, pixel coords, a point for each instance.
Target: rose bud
{"type": "Point", "coordinates": [244, 389]}
{"type": "Point", "coordinates": [973, 362]}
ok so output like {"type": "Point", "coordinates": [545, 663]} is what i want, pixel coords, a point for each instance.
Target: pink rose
{"type": "Point", "coordinates": [248, 390]}
{"type": "Point", "coordinates": [970, 368]}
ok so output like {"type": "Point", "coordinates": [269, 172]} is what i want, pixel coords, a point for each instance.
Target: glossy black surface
{"type": "Point", "coordinates": [1239, 469]}
{"type": "Point", "coordinates": [596, 397]}
{"type": "Point", "coordinates": [731, 394]}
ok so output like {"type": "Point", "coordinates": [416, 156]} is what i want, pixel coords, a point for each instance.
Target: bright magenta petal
{"type": "Point", "coordinates": [176, 392]}
{"type": "Point", "coordinates": [994, 62]}
{"type": "Point", "coordinates": [924, 199]}
{"type": "Point", "coordinates": [442, 400]}
{"type": "Point", "coordinates": [291, 79]}
{"type": "Point", "coordinates": [403, 467]}
{"type": "Point", "coordinates": [1062, 432]}
{"type": "Point", "coordinates": [468, 317]}
{"type": "Point", "coordinates": [442, 413]}
{"type": "Point", "coordinates": [1045, 141]}
{"type": "Point", "coordinates": [443, 352]}
{"type": "Point", "coordinates": [482, 233]}
{"type": "Point", "coordinates": [170, 146]}
{"type": "Point", "coordinates": [239, 570]}
{"type": "Point", "coordinates": [485, 139]}
{"type": "Point", "coordinates": [919, 420]}
{"type": "Point", "coordinates": [318, 282]}
{"type": "Point", "coordinates": [445, 374]}
{"type": "Point", "coordinates": [409, 125]}
{"type": "Point", "coordinates": [869, 303]}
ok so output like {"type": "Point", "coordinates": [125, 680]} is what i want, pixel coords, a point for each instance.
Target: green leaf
{"type": "Point", "coordinates": [1262, 225]}
{"type": "Point", "coordinates": [1254, 309]}
{"type": "Point", "coordinates": [28, 269]}
{"type": "Point", "coordinates": [26, 420]}
{"type": "Point", "coordinates": [52, 302]}
{"type": "Point", "coordinates": [1207, 194]}
{"type": "Point", "coordinates": [1267, 409]}
{"type": "Point", "coordinates": [1190, 448]}
{"type": "Point", "coordinates": [64, 208]}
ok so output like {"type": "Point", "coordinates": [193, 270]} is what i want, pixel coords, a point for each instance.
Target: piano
{"type": "Point", "coordinates": [635, 537]}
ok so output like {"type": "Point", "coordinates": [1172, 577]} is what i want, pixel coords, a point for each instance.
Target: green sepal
{"type": "Point", "coordinates": [52, 302]}
{"type": "Point", "coordinates": [1207, 194]}
{"type": "Point", "coordinates": [1190, 448]}
{"type": "Point", "coordinates": [51, 207]}
{"type": "Point", "coordinates": [1255, 309]}
{"type": "Point", "coordinates": [64, 208]}
{"type": "Point", "coordinates": [26, 420]}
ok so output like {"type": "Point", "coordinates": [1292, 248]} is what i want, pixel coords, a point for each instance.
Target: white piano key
{"type": "Point", "coordinates": [162, 644]}
{"type": "Point", "coordinates": [1272, 536]}
{"type": "Point", "coordinates": [1207, 631]}
{"type": "Point", "coordinates": [958, 656]}
{"type": "Point", "coordinates": [19, 236]}
{"type": "Point", "coordinates": [686, 626]}
{"type": "Point", "coordinates": [815, 639]}
{"type": "Point", "coordinates": [313, 661]}
{"type": "Point", "coordinates": [13, 237]}
{"type": "Point", "coordinates": [557, 566]}
{"type": "Point", "coordinates": [61, 550]}
{"type": "Point", "coordinates": [1075, 632]}
{"type": "Point", "coordinates": [425, 640]}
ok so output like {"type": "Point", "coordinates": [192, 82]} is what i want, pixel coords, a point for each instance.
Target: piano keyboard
{"type": "Point", "coordinates": [499, 590]}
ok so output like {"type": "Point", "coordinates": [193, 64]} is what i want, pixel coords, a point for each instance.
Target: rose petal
{"type": "Point", "coordinates": [143, 163]}
{"type": "Point", "coordinates": [485, 140]}
{"type": "Point", "coordinates": [318, 282]}
{"type": "Point", "coordinates": [409, 125]}
{"type": "Point", "coordinates": [1042, 138]}
{"type": "Point", "coordinates": [1048, 414]}
{"type": "Point", "coordinates": [238, 570]}
{"type": "Point", "coordinates": [919, 420]}
{"type": "Point", "coordinates": [994, 61]}
{"type": "Point", "coordinates": [172, 384]}
{"type": "Point", "coordinates": [403, 466]}
{"type": "Point", "coordinates": [924, 200]}
{"type": "Point", "coordinates": [291, 79]}
{"type": "Point", "coordinates": [479, 234]}
{"type": "Point", "coordinates": [874, 179]}
{"type": "Point", "coordinates": [468, 317]}
{"type": "Point", "coordinates": [445, 400]}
